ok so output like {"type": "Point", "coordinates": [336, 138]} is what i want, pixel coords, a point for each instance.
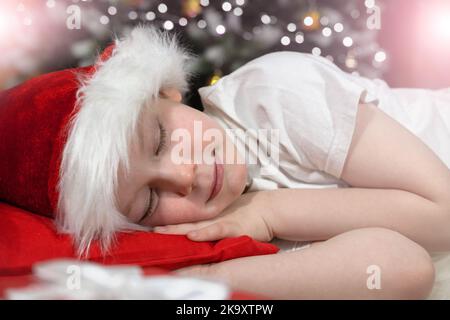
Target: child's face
{"type": "Point", "coordinates": [181, 191]}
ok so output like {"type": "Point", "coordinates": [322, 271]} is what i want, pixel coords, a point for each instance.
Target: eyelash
{"type": "Point", "coordinates": [149, 207]}
{"type": "Point", "coordinates": [161, 147]}
{"type": "Point", "coordinates": [162, 140]}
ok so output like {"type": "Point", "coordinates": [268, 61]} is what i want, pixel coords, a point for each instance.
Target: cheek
{"type": "Point", "coordinates": [236, 176]}
{"type": "Point", "coordinates": [172, 210]}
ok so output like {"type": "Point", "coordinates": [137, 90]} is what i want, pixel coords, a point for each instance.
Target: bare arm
{"type": "Point", "coordinates": [397, 183]}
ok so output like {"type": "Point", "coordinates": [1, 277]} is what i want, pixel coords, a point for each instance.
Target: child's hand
{"type": "Point", "coordinates": [245, 216]}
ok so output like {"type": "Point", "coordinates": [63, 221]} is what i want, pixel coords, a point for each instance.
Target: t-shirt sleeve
{"type": "Point", "coordinates": [309, 99]}
{"type": "Point", "coordinates": [320, 110]}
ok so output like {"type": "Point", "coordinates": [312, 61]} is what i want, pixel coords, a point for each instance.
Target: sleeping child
{"type": "Point", "coordinates": [350, 176]}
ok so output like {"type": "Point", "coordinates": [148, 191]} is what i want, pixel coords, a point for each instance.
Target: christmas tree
{"type": "Point", "coordinates": [223, 34]}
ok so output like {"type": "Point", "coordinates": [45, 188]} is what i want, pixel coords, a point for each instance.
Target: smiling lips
{"type": "Point", "coordinates": [217, 180]}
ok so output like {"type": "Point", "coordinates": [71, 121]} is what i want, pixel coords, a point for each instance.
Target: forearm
{"type": "Point", "coordinates": [319, 214]}
{"type": "Point", "coordinates": [333, 269]}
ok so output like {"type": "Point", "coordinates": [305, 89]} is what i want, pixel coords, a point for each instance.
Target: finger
{"type": "Point", "coordinates": [213, 232]}
{"type": "Point", "coordinates": [175, 228]}
{"type": "Point", "coordinates": [182, 228]}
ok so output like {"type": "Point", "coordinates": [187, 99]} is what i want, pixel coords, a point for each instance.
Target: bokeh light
{"type": "Point", "coordinates": [37, 30]}
{"type": "Point", "coordinates": [308, 21]}
{"type": "Point", "coordinates": [442, 24]}
{"type": "Point", "coordinates": [348, 41]}
{"type": "Point", "coordinates": [380, 56]}
{"type": "Point", "coordinates": [5, 24]}
{"type": "Point", "coordinates": [10, 27]}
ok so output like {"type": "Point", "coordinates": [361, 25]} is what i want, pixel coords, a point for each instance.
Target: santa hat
{"type": "Point", "coordinates": [64, 134]}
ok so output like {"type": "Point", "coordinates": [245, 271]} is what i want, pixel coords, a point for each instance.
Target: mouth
{"type": "Point", "coordinates": [217, 183]}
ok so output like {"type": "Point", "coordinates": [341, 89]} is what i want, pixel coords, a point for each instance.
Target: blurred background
{"type": "Point", "coordinates": [404, 42]}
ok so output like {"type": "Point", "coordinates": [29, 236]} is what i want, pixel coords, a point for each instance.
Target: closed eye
{"type": "Point", "coordinates": [162, 138]}
{"type": "Point", "coordinates": [150, 206]}
{"type": "Point", "coordinates": [161, 147]}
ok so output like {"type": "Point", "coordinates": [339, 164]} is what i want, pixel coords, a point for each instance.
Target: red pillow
{"type": "Point", "coordinates": [27, 238]}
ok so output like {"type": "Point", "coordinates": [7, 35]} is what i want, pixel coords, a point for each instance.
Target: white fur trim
{"type": "Point", "coordinates": [110, 102]}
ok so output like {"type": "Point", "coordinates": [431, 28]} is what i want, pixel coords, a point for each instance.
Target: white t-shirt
{"type": "Point", "coordinates": [313, 103]}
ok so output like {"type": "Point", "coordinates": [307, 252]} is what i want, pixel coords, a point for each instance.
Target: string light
{"type": "Point", "coordinates": [291, 27]}
{"type": "Point", "coordinates": [312, 18]}
{"type": "Point", "coordinates": [238, 11]}
{"type": "Point", "coordinates": [132, 15]}
{"type": "Point", "coordinates": [162, 8]}
{"type": "Point", "coordinates": [348, 42]}
{"type": "Point", "coordinates": [168, 25]}
{"type": "Point", "coordinates": [326, 32]}
{"type": "Point", "coordinates": [285, 41]}
{"type": "Point", "coordinates": [226, 6]}
{"type": "Point", "coordinates": [308, 21]}
{"type": "Point", "coordinates": [112, 11]}
{"type": "Point", "coordinates": [324, 20]}
{"type": "Point", "coordinates": [201, 24]}
{"type": "Point", "coordinates": [312, 23]}
{"type": "Point", "coordinates": [380, 56]}
{"type": "Point", "coordinates": [265, 19]}
{"type": "Point", "coordinates": [104, 20]}
{"type": "Point", "coordinates": [220, 29]}
{"type": "Point", "coordinates": [316, 51]}
{"type": "Point", "coordinates": [299, 38]}
{"type": "Point", "coordinates": [338, 27]}
{"type": "Point", "coordinates": [150, 16]}
{"type": "Point", "coordinates": [369, 3]}
{"type": "Point", "coordinates": [182, 22]}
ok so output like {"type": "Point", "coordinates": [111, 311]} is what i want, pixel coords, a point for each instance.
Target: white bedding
{"type": "Point", "coordinates": [441, 289]}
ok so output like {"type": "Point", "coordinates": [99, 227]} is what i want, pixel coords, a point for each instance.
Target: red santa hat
{"type": "Point", "coordinates": [64, 134]}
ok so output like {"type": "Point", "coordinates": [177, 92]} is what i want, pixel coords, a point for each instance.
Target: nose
{"type": "Point", "coordinates": [178, 178]}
